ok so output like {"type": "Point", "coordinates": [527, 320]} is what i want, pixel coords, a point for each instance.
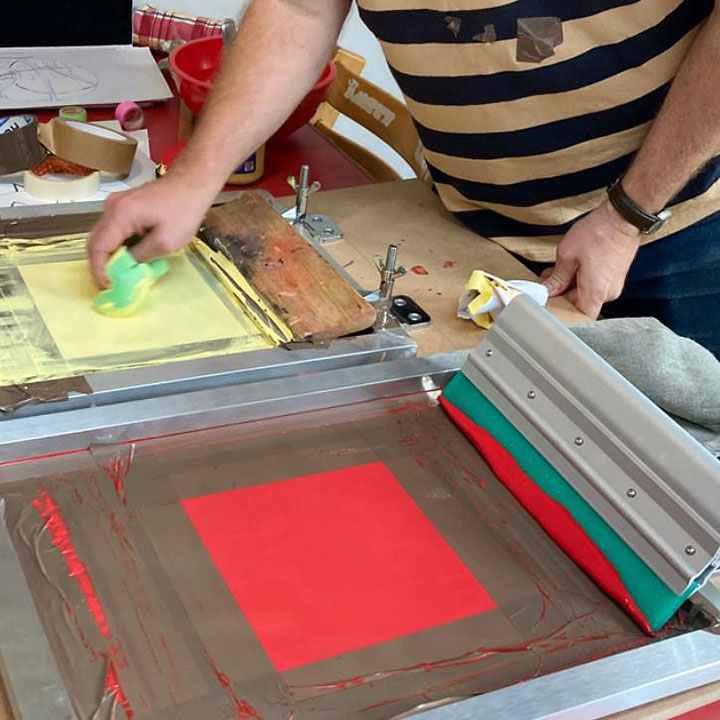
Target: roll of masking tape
{"type": "Point", "coordinates": [19, 145]}
{"type": "Point", "coordinates": [130, 115]}
{"type": "Point", "coordinates": [73, 112]}
{"type": "Point", "coordinates": [61, 188]}
{"type": "Point", "coordinates": [92, 146]}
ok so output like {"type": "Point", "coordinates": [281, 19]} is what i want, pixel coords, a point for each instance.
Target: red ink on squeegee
{"type": "Point", "coordinates": [553, 517]}
{"type": "Point", "coordinates": [49, 511]}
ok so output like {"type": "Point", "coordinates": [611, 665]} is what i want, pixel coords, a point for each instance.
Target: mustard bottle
{"type": "Point", "coordinates": [251, 170]}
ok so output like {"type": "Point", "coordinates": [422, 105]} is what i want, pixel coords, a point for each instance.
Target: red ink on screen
{"type": "Point", "coordinates": [419, 270]}
{"type": "Point", "coordinates": [243, 709]}
{"type": "Point", "coordinates": [80, 631]}
{"type": "Point", "coordinates": [554, 642]}
{"type": "Point", "coordinates": [371, 565]}
{"type": "Point", "coordinates": [49, 511]}
{"type": "Point", "coordinates": [470, 658]}
{"type": "Point", "coordinates": [119, 530]}
{"type": "Point", "coordinates": [449, 264]}
{"type": "Point", "coordinates": [112, 686]}
{"type": "Point", "coordinates": [42, 457]}
{"type": "Point", "coordinates": [545, 599]}
{"type": "Point", "coordinates": [553, 517]}
{"type": "Point", "coordinates": [117, 470]}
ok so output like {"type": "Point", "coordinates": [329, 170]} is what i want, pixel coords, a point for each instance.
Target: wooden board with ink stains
{"type": "Point", "coordinates": [299, 284]}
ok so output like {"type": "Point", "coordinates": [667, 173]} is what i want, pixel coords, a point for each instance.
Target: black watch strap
{"type": "Point", "coordinates": [629, 210]}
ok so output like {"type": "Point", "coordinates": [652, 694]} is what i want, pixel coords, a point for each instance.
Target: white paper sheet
{"type": "Point", "coordinates": [53, 77]}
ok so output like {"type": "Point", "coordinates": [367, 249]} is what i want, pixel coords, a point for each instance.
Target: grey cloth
{"type": "Point", "coordinates": [677, 374]}
{"type": "Point", "coordinates": [708, 438]}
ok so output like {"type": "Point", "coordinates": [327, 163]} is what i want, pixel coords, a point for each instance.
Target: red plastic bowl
{"type": "Point", "coordinates": [196, 63]}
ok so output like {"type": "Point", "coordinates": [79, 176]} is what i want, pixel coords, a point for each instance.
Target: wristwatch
{"type": "Point", "coordinates": [645, 222]}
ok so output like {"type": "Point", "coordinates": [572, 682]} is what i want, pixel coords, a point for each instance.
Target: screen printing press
{"type": "Point", "coordinates": [342, 529]}
{"type": "Point", "coordinates": [202, 329]}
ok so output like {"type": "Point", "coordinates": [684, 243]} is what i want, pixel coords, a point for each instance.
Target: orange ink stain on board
{"type": "Point", "coordinates": [419, 270]}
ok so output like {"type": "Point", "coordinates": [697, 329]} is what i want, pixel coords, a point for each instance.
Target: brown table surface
{"type": "Point", "coordinates": [409, 214]}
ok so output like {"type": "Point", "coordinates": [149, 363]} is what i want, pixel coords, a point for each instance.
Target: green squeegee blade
{"type": "Point", "coordinates": [653, 598]}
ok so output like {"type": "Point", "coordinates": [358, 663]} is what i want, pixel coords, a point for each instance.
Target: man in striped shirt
{"type": "Point", "coordinates": [528, 110]}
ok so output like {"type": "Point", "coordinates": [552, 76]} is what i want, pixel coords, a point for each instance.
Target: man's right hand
{"type": "Point", "coordinates": [254, 93]}
{"type": "Point", "coordinates": [165, 213]}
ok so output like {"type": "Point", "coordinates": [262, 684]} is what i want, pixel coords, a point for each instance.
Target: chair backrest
{"type": "Point", "coordinates": [376, 110]}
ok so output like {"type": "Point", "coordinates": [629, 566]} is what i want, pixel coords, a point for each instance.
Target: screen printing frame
{"type": "Point", "coordinates": [593, 690]}
{"type": "Point", "coordinates": [107, 387]}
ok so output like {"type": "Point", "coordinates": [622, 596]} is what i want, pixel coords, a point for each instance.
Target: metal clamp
{"type": "Point", "coordinates": [319, 228]}
{"type": "Point", "coordinates": [303, 190]}
{"type": "Point", "coordinates": [389, 272]}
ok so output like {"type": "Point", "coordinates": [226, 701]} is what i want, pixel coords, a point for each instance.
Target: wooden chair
{"type": "Point", "coordinates": [376, 110]}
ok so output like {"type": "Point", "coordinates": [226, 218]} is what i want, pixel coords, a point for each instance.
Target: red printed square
{"type": "Point", "coordinates": [330, 563]}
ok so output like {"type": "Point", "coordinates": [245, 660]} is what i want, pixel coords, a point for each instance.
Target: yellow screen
{"type": "Point", "coordinates": [51, 330]}
{"type": "Point", "coordinates": [181, 309]}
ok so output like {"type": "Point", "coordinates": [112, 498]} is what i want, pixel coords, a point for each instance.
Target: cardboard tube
{"type": "Point", "coordinates": [19, 146]}
{"type": "Point", "coordinates": [61, 188]}
{"type": "Point", "coordinates": [90, 145]}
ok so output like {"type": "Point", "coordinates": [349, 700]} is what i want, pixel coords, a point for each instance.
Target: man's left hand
{"type": "Point", "coordinates": [593, 260]}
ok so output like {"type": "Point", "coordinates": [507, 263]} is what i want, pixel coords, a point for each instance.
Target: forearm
{"type": "Point", "coordinates": [686, 132]}
{"type": "Point", "coordinates": [279, 52]}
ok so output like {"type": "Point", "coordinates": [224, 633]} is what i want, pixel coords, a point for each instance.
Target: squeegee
{"type": "Point", "coordinates": [617, 484]}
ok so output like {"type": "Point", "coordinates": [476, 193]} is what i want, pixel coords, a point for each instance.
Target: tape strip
{"type": "Point", "coordinates": [61, 188]}
{"type": "Point", "coordinates": [90, 145]}
{"type": "Point", "coordinates": [262, 315]}
{"type": "Point", "coordinates": [13, 397]}
{"type": "Point", "coordinates": [19, 146]}
{"type": "Point", "coordinates": [130, 115]}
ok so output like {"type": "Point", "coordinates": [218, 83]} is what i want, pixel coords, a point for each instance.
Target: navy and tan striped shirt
{"type": "Point", "coordinates": [529, 109]}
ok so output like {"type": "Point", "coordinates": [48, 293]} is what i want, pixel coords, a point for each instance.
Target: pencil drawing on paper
{"type": "Point", "coordinates": [31, 79]}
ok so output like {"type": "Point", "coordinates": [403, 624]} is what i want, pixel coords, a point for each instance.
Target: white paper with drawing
{"type": "Point", "coordinates": [52, 77]}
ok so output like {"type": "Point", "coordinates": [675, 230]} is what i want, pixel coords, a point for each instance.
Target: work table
{"type": "Point", "coordinates": [437, 250]}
